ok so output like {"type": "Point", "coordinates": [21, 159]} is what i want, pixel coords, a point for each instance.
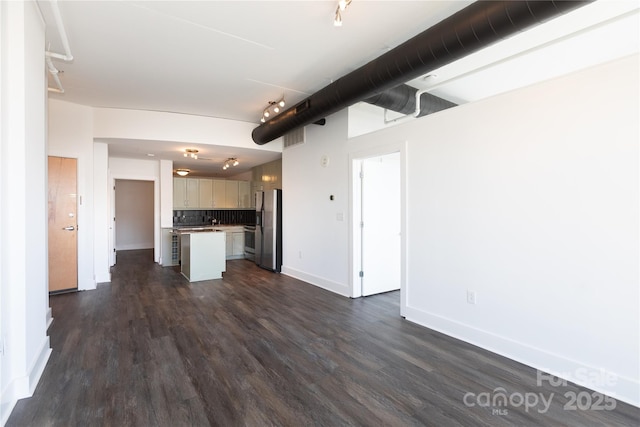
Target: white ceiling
{"type": "Point", "coordinates": [227, 59]}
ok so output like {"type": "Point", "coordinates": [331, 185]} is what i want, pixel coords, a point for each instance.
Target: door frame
{"type": "Point", "coordinates": [112, 210]}
{"type": "Point", "coordinates": [354, 220]}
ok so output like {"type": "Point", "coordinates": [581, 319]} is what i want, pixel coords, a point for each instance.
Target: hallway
{"type": "Point", "coordinates": [258, 348]}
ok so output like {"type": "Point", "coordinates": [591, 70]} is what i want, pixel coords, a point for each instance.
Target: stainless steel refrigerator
{"type": "Point", "coordinates": [269, 229]}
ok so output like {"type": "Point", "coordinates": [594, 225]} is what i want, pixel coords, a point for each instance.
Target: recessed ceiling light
{"type": "Point", "coordinates": [151, 155]}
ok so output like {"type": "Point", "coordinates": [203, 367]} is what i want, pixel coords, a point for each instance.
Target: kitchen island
{"type": "Point", "coordinates": [202, 254]}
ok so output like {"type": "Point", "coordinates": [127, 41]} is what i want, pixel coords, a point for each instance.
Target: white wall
{"type": "Point", "coordinates": [70, 135]}
{"type": "Point", "coordinates": [23, 224]}
{"type": "Point", "coordinates": [134, 214]}
{"type": "Point", "coordinates": [533, 204]}
{"type": "Point", "coordinates": [530, 199]}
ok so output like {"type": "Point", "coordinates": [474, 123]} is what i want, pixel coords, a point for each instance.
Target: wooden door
{"type": "Point", "coordinates": [63, 224]}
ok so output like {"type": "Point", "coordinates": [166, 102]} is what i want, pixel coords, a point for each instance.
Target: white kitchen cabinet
{"type": "Point", "coordinates": [244, 195]}
{"type": "Point", "coordinates": [186, 193]}
{"type": "Point", "coordinates": [234, 244]}
{"type": "Point", "coordinates": [219, 193]}
{"type": "Point", "coordinates": [231, 196]}
{"type": "Point", "coordinates": [205, 192]}
{"type": "Point", "coordinates": [238, 244]}
{"type": "Point", "coordinates": [179, 192]}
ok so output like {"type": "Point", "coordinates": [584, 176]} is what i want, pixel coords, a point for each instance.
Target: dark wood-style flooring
{"type": "Point", "coordinates": [259, 349]}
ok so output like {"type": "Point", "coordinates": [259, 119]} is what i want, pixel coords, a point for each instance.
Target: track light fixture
{"type": "Point", "coordinates": [191, 152]}
{"type": "Point", "coordinates": [274, 106]}
{"type": "Point", "coordinates": [342, 6]}
{"type": "Point", "coordinates": [231, 161]}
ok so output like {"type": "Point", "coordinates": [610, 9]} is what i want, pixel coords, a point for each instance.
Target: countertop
{"type": "Point", "coordinates": [203, 228]}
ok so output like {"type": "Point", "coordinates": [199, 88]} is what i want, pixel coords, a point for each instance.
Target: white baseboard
{"type": "Point", "coordinates": [320, 282]}
{"type": "Point", "coordinates": [135, 246]}
{"type": "Point", "coordinates": [49, 317]}
{"type": "Point", "coordinates": [39, 363]}
{"type": "Point", "coordinates": [103, 278]}
{"type": "Point", "coordinates": [6, 407]}
{"type": "Point", "coordinates": [623, 388]}
{"type": "Point", "coordinates": [23, 387]}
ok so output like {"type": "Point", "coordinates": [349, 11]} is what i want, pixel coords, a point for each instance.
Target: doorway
{"type": "Point", "coordinates": [62, 224]}
{"type": "Point", "coordinates": [378, 221]}
{"type": "Point", "coordinates": [134, 215]}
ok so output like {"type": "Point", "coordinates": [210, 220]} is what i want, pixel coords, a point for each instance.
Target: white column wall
{"type": "Point", "coordinates": [316, 242]}
{"type": "Point", "coordinates": [166, 193]}
{"type": "Point", "coordinates": [70, 135]}
{"type": "Point", "coordinates": [102, 215]}
{"type": "Point", "coordinates": [23, 227]}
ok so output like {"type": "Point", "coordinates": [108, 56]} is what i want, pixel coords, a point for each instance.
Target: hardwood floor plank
{"type": "Point", "coordinates": [257, 348]}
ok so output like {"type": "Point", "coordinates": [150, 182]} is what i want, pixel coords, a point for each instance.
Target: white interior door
{"type": "Point", "coordinates": [381, 223]}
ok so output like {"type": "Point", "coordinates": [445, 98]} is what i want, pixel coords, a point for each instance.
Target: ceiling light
{"type": "Point", "coordinates": [337, 22]}
{"type": "Point", "coordinates": [231, 161]}
{"type": "Point", "coordinates": [191, 152]}
{"type": "Point", "coordinates": [183, 172]}
{"type": "Point", "coordinates": [273, 107]}
{"type": "Point", "coordinates": [342, 6]}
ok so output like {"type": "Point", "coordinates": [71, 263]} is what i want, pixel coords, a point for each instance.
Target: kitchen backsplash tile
{"type": "Point", "coordinates": [205, 217]}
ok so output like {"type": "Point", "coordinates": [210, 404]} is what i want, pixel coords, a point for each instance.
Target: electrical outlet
{"type": "Point", "coordinates": [471, 297]}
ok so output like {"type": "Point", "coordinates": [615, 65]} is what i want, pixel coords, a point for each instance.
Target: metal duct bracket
{"type": "Point", "coordinates": [408, 100]}
{"type": "Point", "coordinates": [473, 28]}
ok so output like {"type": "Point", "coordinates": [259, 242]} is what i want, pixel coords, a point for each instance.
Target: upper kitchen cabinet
{"type": "Point", "coordinates": [231, 196]}
{"type": "Point", "coordinates": [245, 199]}
{"type": "Point", "coordinates": [186, 193]}
{"type": "Point", "coordinates": [206, 193]}
{"type": "Point", "coordinates": [219, 193]}
{"type": "Point", "coordinates": [267, 176]}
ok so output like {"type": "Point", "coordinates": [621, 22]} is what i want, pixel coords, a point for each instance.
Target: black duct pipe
{"type": "Point", "coordinates": [477, 26]}
{"type": "Point", "coordinates": [402, 99]}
